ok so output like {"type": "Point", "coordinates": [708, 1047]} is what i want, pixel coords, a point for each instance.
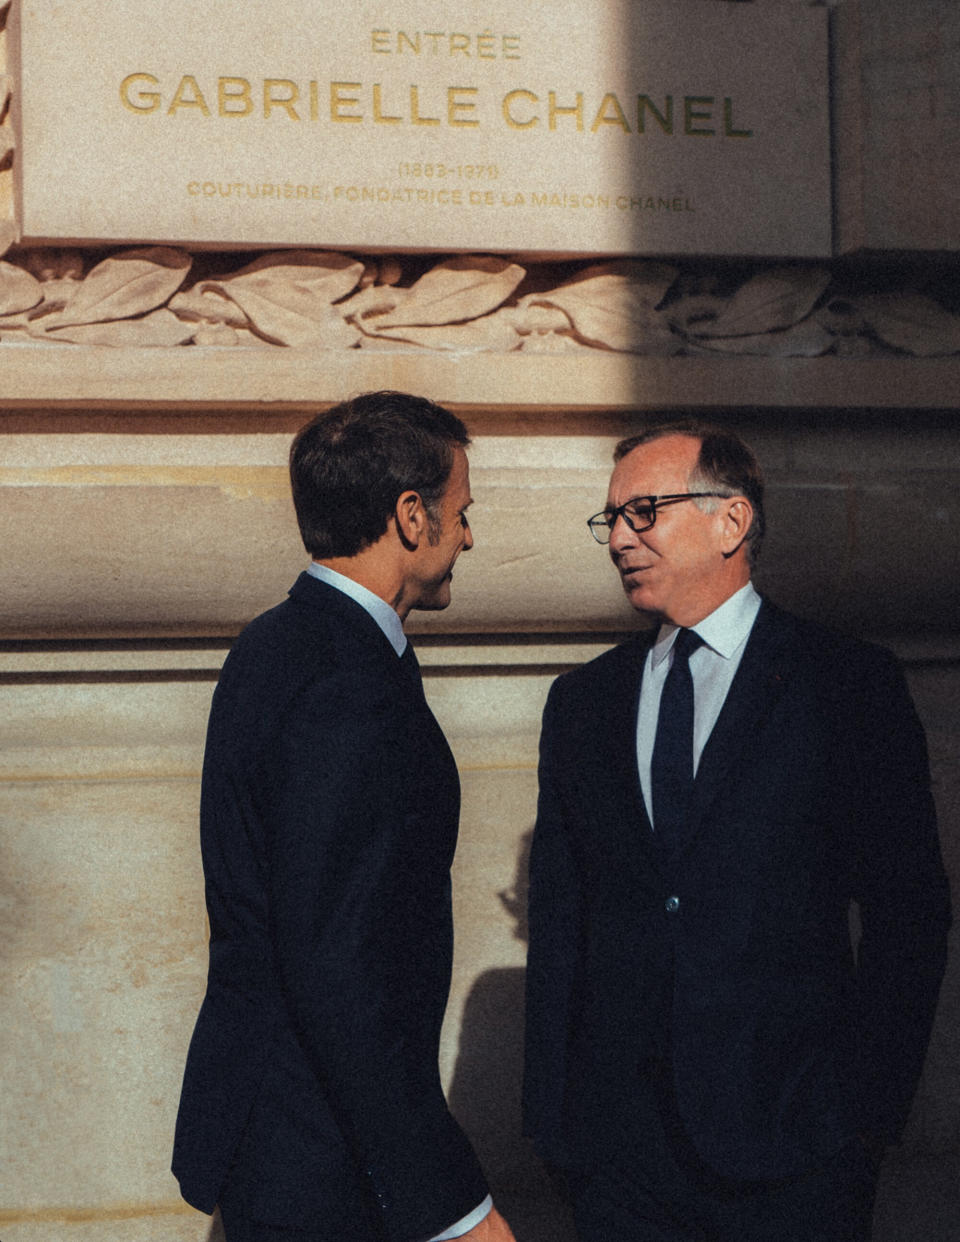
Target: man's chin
{"type": "Point", "coordinates": [641, 601]}
{"type": "Point", "coordinates": [436, 601]}
{"type": "Point", "coordinates": [637, 594]}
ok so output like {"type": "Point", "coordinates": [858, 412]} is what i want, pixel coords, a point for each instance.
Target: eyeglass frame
{"type": "Point", "coordinates": [610, 517]}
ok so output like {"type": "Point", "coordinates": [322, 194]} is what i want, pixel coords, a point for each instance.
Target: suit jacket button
{"type": "Point", "coordinates": [672, 905]}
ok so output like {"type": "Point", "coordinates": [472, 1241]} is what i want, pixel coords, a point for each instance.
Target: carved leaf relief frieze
{"type": "Point", "coordinates": [162, 296]}
{"type": "Point", "coordinates": [770, 301]}
{"type": "Point", "coordinates": [457, 290]}
{"type": "Point", "coordinates": [122, 287]}
{"type": "Point", "coordinates": [613, 306]}
{"type": "Point", "coordinates": [287, 299]}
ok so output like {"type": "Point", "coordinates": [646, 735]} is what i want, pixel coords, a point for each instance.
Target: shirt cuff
{"type": "Point", "coordinates": [466, 1223]}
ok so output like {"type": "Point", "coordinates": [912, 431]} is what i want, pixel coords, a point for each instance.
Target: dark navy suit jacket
{"type": "Point", "coordinates": [329, 818]}
{"type": "Point", "coordinates": [728, 956]}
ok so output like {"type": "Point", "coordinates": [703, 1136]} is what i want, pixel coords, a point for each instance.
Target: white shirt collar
{"type": "Point", "coordinates": [724, 630]}
{"type": "Point", "coordinates": [385, 616]}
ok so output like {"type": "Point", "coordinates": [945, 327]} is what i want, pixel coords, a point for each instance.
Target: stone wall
{"type": "Point", "coordinates": [101, 906]}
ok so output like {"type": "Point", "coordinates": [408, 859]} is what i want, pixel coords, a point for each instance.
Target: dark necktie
{"type": "Point", "coordinates": [671, 767]}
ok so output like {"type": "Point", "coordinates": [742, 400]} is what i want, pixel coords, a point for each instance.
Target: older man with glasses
{"type": "Point", "coordinates": [709, 1056]}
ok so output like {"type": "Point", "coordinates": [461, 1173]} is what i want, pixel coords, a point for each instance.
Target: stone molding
{"type": "Point", "coordinates": [163, 296]}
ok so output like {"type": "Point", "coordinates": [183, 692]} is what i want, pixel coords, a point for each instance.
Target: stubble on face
{"type": "Point", "coordinates": [448, 534]}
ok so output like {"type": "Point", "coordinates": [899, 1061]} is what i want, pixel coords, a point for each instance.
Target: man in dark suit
{"type": "Point", "coordinates": [312, 1107]}
{"type": "Point", "coordinates": [708, 1056]}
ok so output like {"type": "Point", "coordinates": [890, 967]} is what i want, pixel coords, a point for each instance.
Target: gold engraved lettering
{"type": "Point", "coordinates": [455, 105]}
{"type": "Point", "coordinates": [507, 109]}
{"type": "Point", "coordinates": [664, 119]}
{"type": "Point", "coordinates": [677, 203]}
{"type": "Point", "coordinates": [486, 46]}
{"type": "Point", "coordinates": [378, 114]}
{"type": "Point", "coordinates": [610, 101]}
{"type": "Point", "coordinates": [234, 91]}
{"type": "Point", "coordinates": [339, 101]}
{"type": "Point", "coordinates": [415, 117]}
{"type": "Point", "coordinates": [575, 202]}
{"type": "Point", "coordinates": [561, 110]}
{"type": "Point", "coordinates": [149, 100]}
{"type": "Point", "coordinates": [692, 112]}
{"type": "Point", "coordinates": [556, 110]}
{"type": "Point", "coordinates": [180, 99]}
{"type": "Point", "coordinates": [728, 129]}
{"type": "Point", "coordinates": [286, 101]}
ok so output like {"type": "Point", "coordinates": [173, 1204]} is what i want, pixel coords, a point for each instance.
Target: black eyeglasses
{"type": "Point", "coordinates": [640, 513]}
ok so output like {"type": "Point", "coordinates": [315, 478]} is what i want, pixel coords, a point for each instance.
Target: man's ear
{"type": "Point", "coordinates": [411, 518]}
{"type": "Point", "coordinates": [737, 514]}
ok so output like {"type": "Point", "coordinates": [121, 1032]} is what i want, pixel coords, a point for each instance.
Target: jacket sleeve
{"type": "Point", "coordinates": [359, 898]}
{"type": "Point", "coordinates": [553, 961]}
{"type": "Point", "coordinates": [902, 893]}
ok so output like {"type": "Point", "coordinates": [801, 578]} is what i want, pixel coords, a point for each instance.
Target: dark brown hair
{"type": "Point", "coordinates": [349, 466]}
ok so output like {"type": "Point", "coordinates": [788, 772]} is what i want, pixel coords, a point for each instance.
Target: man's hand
{"type": "Point", "coordinates": [493, 1228]}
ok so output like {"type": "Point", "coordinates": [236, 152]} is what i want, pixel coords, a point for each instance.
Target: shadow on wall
{"type": "Point", "coordinates": [486, 1088]}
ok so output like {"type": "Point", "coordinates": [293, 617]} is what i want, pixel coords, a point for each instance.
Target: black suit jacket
{"type": "Point", "coordinates": [329, 814]}
{"type": "Point", "coordinates": [812, 793]}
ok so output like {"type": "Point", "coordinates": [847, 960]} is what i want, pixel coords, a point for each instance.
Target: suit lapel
{"type": "Point", "coordinates": [351, 636]}
{"type": "Point", "coordinates": [350, 630]}
{"type": "Point", "coordinates": [761, 679]}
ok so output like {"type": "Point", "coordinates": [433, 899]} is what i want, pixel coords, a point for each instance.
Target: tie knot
{"type": "Point", "coordinates": [687, 642]}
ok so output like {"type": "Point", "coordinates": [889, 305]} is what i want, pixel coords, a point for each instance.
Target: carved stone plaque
{"type": "Point", "coordinates": [651, 127]}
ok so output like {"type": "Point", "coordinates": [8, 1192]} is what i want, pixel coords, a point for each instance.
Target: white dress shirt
{"type": "Point", "coordinates": [389, 621]}
{"type": "Point", "coordinates": [713, 667]}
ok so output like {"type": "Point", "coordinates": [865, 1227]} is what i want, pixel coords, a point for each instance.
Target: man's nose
{"type": "Point", "coordinates": [467, 539]}
{"type": "Point", "coordinates": [621, 535]}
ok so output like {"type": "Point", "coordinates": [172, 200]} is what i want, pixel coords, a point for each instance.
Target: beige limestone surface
{"type": "Point", "coordinates": [134, 531]}
{"type": "Point", "coordinates": [620, 127]}
{"type": "Point", "coordinates": [158, 526]}
{"type": "Point", "coordinates": [104, 932]}
{"type": "Point", "coordinates": [142, 519]}
{"type": "Point", "coordinates": [200, 378]}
